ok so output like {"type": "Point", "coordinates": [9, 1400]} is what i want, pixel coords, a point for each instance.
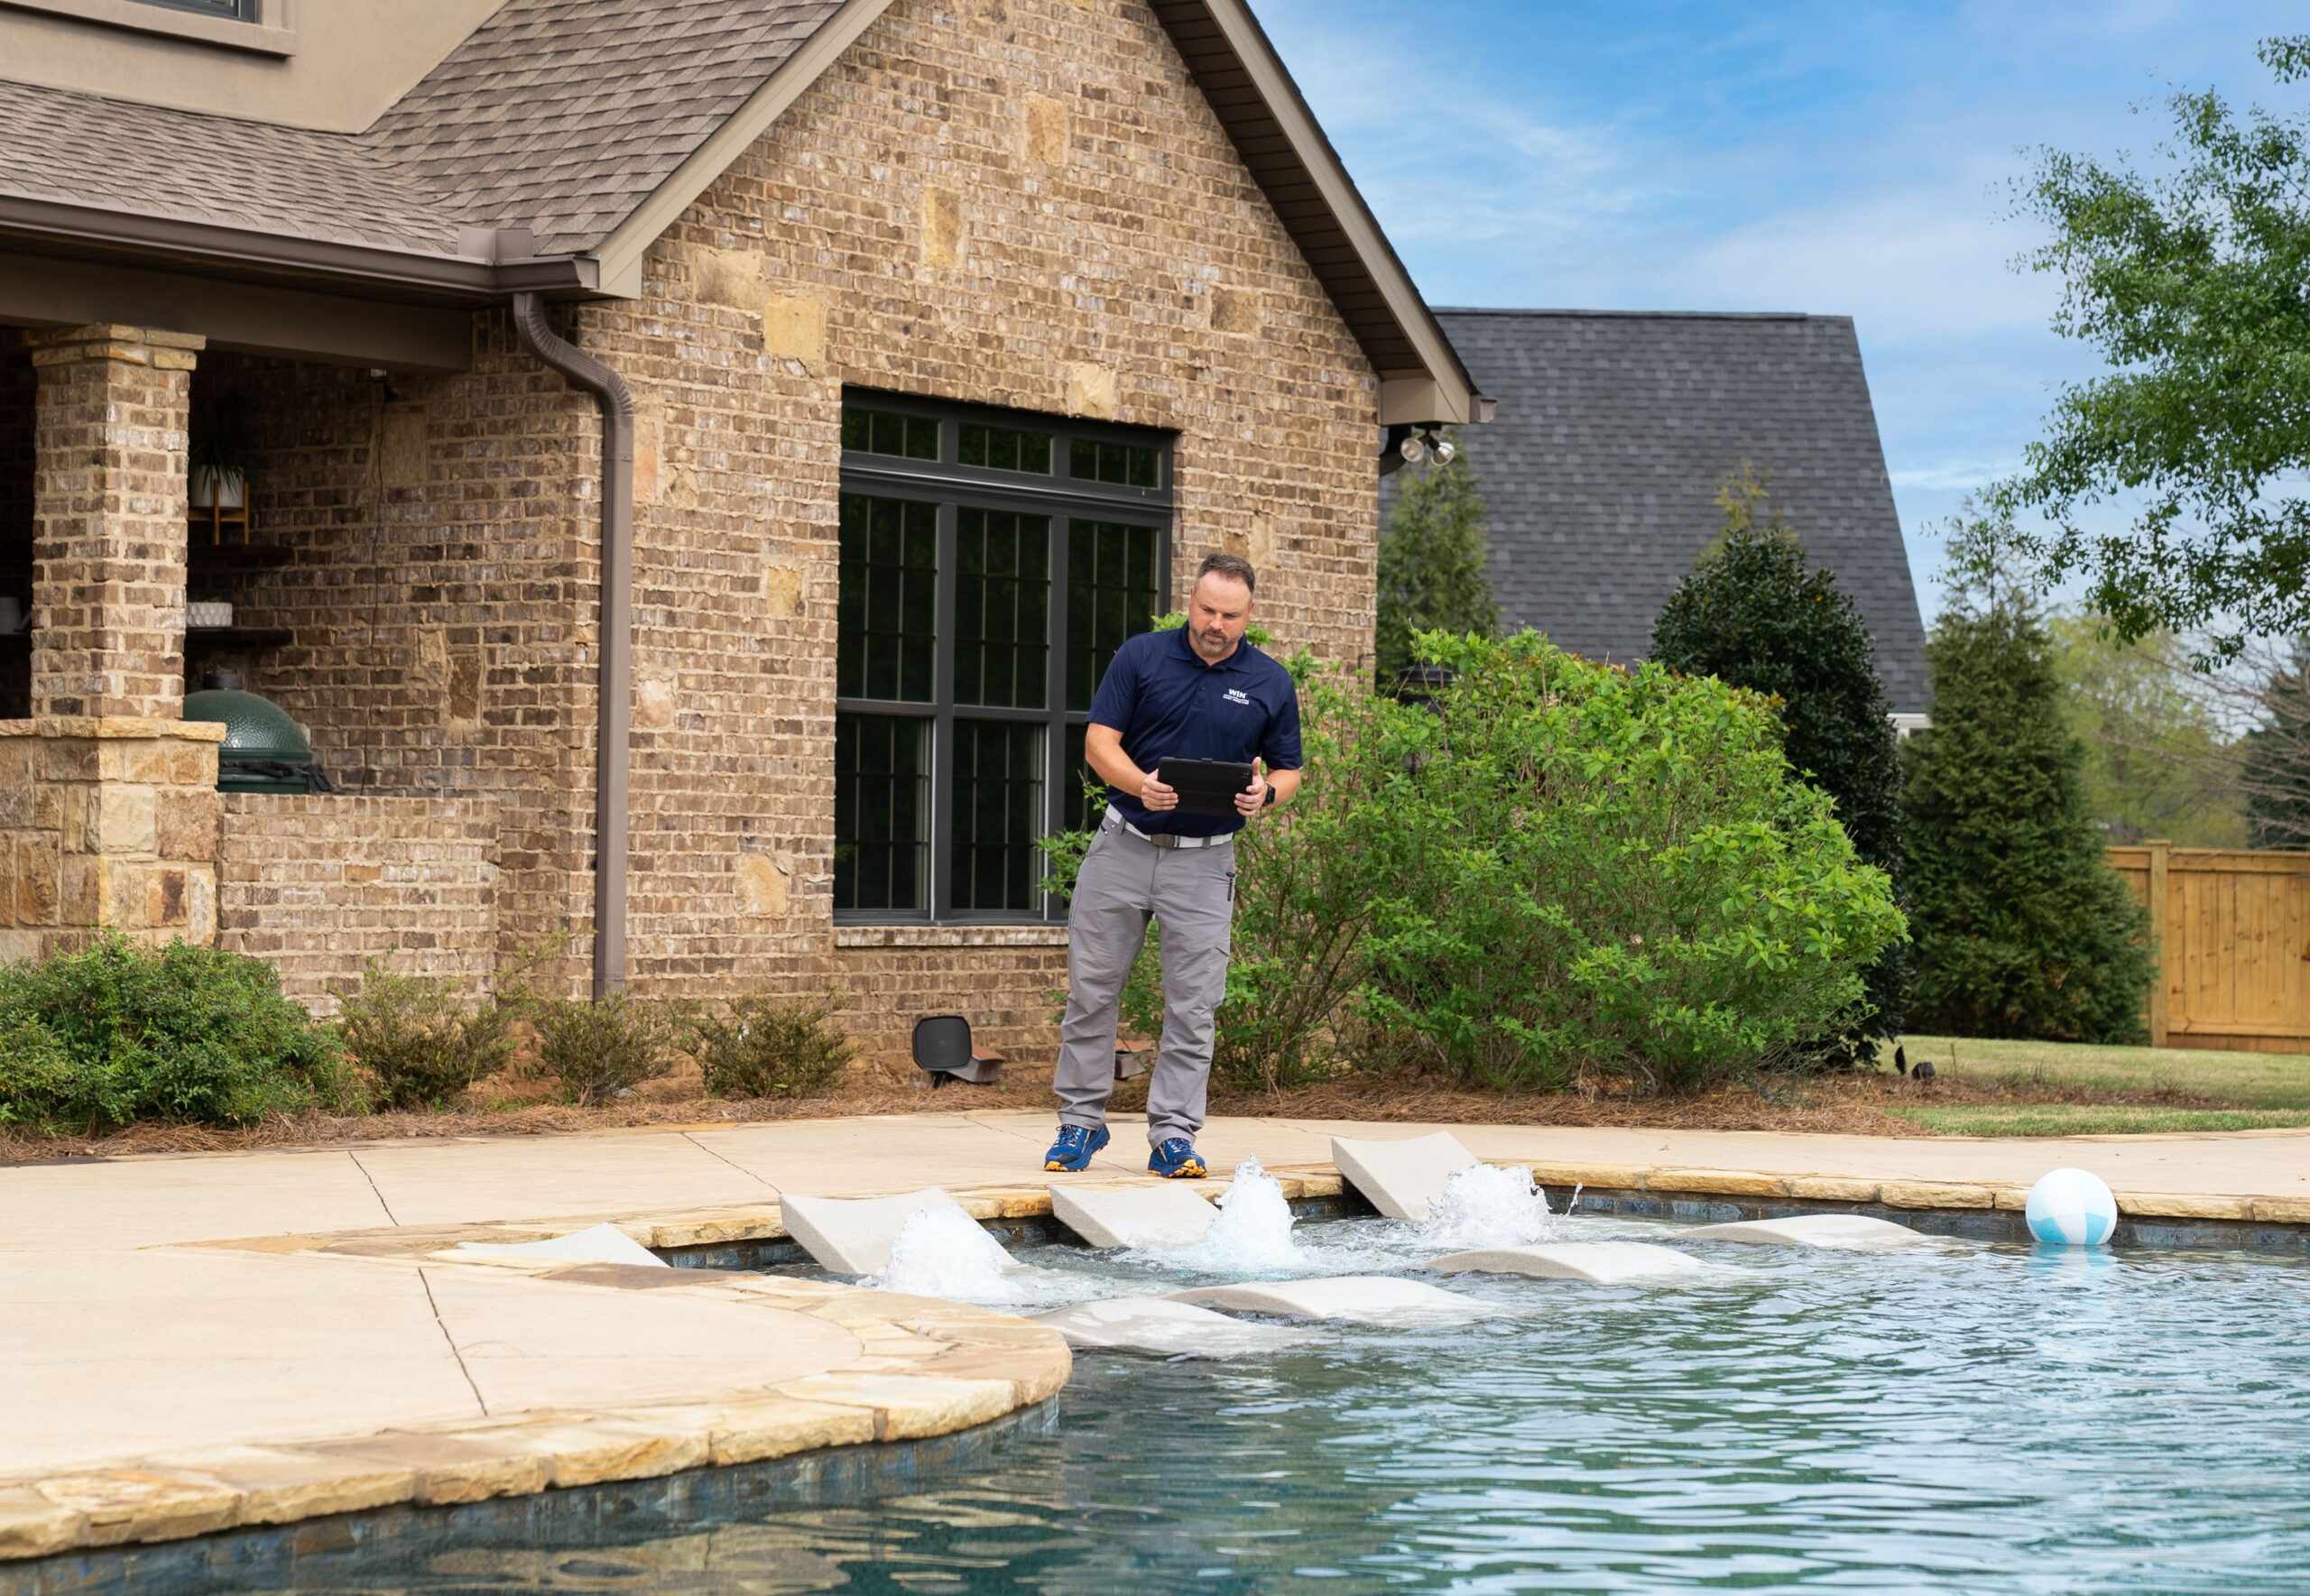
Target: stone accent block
{"type": "Point", "coordinates": [591, 1452]}
{"type": "Point", "coordinates": [33, 1525]}
{"type": "Point", "coordinates": [119, 1505]}
{"type": "Point", "coordinates": [447, 1469]}
{"type": "Point", "coordinates": [279, 1484]}
{"type": "Point", "coordinates": [1728, 1183]}
{"type": "Point", "coordinates": [1925, 1194]}
{"type": "Point", "coordinates": [907, 1406]}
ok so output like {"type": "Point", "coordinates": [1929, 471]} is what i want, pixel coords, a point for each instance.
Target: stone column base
{"type": "Point", "coordinates": [106, 824]}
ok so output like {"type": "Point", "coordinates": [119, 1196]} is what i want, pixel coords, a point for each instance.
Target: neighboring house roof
{"type": "Point", "coordinates": [1616, 431]}
{"type": "Point", "coordinates": [590, 124]}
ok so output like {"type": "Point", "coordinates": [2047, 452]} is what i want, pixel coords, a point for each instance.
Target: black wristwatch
{"type": "Point", "coordinates": [1271, 797]}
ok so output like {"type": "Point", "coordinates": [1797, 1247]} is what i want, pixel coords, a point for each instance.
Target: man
{"type": "Point", "coordinates": [1199, 692]}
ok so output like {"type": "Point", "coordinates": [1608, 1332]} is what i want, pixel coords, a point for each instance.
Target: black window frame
{"type": "Point", "coordinates": [953, 487]}
{"type": "Point", "coordinates": [229, 10]}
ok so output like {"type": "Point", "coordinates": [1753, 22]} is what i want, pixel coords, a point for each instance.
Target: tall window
{"type": "Point", "coordinates": [991, 563]}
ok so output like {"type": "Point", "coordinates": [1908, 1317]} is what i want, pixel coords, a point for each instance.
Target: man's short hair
{"type": "Point", "coordinates": [1234, 566]}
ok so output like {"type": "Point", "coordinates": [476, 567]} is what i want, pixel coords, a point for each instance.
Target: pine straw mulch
{"type": "Point", "coordinates": [1850, 1106]}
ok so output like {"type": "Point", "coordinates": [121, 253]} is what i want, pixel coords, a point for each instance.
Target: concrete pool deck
{"type": "Point", "coordinates": [204, 1340]}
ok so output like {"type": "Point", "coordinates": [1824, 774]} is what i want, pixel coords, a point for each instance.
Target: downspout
{"type": "Point", "coordinates": [616, 689]}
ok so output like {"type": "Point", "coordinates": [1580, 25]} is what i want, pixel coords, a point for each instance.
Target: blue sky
{"type": "Point", "coordinates": [1837, 158]}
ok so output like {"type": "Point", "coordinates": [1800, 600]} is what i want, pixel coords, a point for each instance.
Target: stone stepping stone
{"type": "Point", "coordinates": [1603, 1263]}
{"type": "Point", "coordinates": [854, 1235]}
{"type": "Point", "coordinates": [1157, 1325]}
{"type": "Point", "coordinates": [1356, 1299]}
{"type": "Point", "coordinates": [599, 1243]}
{"type": "Point", "coordinates": [1147, 1216]}
{"type": "Point", "coordinates": [1848, 1233]}
{"type": "Point", "coordinates": [1403, 1178]}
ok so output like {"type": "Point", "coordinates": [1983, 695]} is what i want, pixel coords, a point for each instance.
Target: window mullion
{"type": "Point", "coordinates": [942, 735]}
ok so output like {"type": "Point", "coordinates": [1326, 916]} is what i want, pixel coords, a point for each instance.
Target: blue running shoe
{"type": "Point", "coordinates": [1177, 1159]}
{"type": "Point", "coordinates": [1073, 1150]}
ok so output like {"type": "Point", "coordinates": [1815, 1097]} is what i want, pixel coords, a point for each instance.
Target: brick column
{"type": "Point", "coordinates": [107, 797]}
{"type": "Point", "coordinates": [109, 522]}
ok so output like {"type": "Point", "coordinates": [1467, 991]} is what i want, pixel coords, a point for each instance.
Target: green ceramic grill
{"type": "Point", "coordinates": [263, 750]}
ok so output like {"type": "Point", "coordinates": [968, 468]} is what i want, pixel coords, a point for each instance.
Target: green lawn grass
{"type": "Point", "coordinates": [2234, 1090]}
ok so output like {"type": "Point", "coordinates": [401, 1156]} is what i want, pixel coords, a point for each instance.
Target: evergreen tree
{"type": "Point", "coordinates": [1432, 561]}
{"type": "Point", "coordinates": [1752, 615]}
{"type": "Point", "coordinates": [2022, 928]}
{"type": "Point", "coordinates": [2276, 771]}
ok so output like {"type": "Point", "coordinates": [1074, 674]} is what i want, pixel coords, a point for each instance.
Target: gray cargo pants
{"type": "Point", "coordinates": [1125, 878]}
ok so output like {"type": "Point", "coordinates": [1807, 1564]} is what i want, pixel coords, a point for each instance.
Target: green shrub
{"type": "Point", "coordinates": [1609, 872]}
{"type": "Point", "coordinates": [1751, 614]}
{"type": "Point", "coordinates": [117, 1033]}
{"type": "Point", "coordinates": [2023, 930]}
{"type": "Point", "coordinates": [596, 1049]}
{"type": "Point", "coordinates": [766, 1045]}
{"type": "Point", "coordinates": [421, 1038]}
{"type": "Point", "coordinates": [1561, 872]}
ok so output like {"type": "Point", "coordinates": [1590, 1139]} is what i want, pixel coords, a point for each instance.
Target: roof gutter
{"type": "Point", "coordinates": [613, 706]}
{"type": "Point", "coordinates": [490, 263]}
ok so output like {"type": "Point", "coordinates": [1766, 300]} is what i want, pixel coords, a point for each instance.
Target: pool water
{"type": "Point", "coordinates": [1969, 1418]}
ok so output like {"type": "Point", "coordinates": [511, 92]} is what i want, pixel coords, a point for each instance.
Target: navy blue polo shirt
{"type": "Point", "coordinates": [1169, 704]}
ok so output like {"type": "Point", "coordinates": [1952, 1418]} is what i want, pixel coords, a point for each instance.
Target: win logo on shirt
{"type": "Point", "coordinates": [1237, 696]}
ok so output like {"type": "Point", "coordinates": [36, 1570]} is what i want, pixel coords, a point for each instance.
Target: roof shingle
{"type": "Point", "coordinates": [1614, 433]}
{"type": "Point", "coordinates": [557, 115]}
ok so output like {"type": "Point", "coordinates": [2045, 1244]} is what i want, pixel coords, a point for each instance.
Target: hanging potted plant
{"type": "Point", "coordinates": [219, 455]}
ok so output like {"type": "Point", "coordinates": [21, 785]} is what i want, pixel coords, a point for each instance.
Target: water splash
{"type": "Point", "coordinates": [1485, 1206]}
{"type": "Point", "coordinates": [1254, 1230]}
{"type": "Point", "coordinates": [943, 1252]}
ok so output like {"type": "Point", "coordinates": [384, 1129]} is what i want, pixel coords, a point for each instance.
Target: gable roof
{"type": "Point", "coordinates": [1616, 431]}
{"type": "Point", "coordinates": [578, 130]}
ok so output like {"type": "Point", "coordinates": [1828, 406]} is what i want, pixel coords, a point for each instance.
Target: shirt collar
{"type": "Point", "coordinates": [1185, 648]}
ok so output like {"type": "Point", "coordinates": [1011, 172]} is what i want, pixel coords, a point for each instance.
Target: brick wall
{"type": "Point", "coordinates": [109, 522]}
{"type": "Point", "coordinates": [315, 883]}
{"type": "Point", "coordinates": [1022, 203]}
{"type": "Point", "coordinates": [439, 596]}
{"type": "Point", "coordinates": [16, 517]}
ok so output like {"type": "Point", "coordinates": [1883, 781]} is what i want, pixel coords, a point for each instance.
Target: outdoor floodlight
{"type": "Point", "coordinates": [1413, 449]}
{"type": "Point", "coordinates": [1445, 449]}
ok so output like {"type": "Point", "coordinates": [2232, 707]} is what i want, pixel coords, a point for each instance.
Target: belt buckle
{"type": "Point", "coordinates": [1164, 839]}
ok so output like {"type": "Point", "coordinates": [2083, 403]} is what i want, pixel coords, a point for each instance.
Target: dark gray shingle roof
{"type": "Point", "coordinates": [1614, 432]}
{"type": "Point", "coordinates": [559, 115]}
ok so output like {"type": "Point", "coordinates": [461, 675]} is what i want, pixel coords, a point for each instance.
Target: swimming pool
{"type": "Point", "coordinates": [1968, 1418]}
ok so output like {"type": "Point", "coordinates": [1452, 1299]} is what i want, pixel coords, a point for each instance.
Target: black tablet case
{"type": "Point", "coordinates": [1205, 787]}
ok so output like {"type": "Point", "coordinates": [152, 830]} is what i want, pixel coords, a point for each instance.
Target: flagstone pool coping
{"type": "Point", "coordinates": [926, 1366]}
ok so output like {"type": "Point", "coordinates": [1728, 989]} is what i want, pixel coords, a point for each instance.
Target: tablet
{"type": "Point", "coordinates": [1205, 787]}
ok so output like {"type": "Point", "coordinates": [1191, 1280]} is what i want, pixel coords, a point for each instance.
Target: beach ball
{"type": "Point", "coordinates": [2072, 1208]}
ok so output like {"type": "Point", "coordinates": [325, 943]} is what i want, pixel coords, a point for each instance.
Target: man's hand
{"type": "Point", "coordinates": [1252, 798]}
{"type": "Point", "coordinates": [1156, 795]}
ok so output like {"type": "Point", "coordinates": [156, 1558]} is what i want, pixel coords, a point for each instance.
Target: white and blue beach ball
{"type": "Point", "coordinates": [2072, 1208]}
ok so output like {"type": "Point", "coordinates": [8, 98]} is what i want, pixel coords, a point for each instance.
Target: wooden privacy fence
{"type": "Point", "coordinates": [2233, 936]}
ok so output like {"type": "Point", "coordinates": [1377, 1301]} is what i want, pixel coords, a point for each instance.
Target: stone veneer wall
{"type": "Point", "coordinates": [315, 883]}
{"type": "Point", "coordinates": [1023, 203]}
